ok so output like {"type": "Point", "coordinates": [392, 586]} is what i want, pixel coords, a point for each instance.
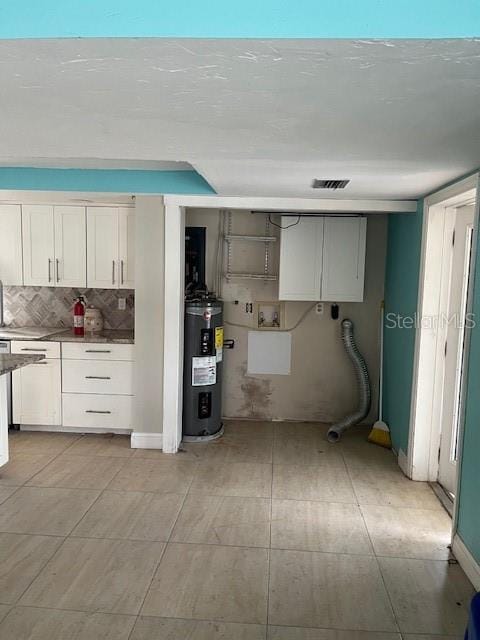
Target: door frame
{"type": "Point", "coordinates": [175, 208]}
{"type": "Point", "coordinates": [428, 374]}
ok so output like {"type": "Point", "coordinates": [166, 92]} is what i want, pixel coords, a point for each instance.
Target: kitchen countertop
{"type": "Point", "coordinates": [10, 362]}
{"type": "Point", "coordinates": [107, 336]}
{"type": "Point", "coordinates": [52, 334]}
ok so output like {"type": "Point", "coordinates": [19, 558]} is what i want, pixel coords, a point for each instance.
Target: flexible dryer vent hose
{"type": "Point", "coordinates": [363, 382]}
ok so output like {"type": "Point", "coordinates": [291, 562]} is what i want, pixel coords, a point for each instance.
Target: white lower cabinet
{"type": "Point", "coordinates": [37, 394]}
{"type": "Point", "coordinates": [95, 376]}
{"type": "Point", "coordinates": [97, 386]}
{"type": "Point", "coordinates": [72, 389]}
{"type": "Point", "coordinates": [90, 410]}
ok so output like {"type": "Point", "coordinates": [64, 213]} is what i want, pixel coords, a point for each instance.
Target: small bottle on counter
{"type": "Point", "coordinates": [79, 317]}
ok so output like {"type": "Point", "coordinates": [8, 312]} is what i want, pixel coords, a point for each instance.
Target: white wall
{"type": "Point", "coordinates": [149, 318]}
{"type": "Point", "coordinates": [321, 386]}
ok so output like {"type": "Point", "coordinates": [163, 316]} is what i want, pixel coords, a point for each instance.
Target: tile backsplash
{"type": "Point", "coordinates": [52, 306]}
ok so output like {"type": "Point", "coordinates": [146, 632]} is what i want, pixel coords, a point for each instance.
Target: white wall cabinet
{"type": "Point", "coordinates": [11, 265]}
{"type": "Point", "coordinates": [322, 258]}
{"type": "Point", "coordinates": [343, 272]}
{"type": "Point", "coordinates": [54, 246]}
{"type": "Point", "coordinates": [37, 388]}
{"type": "Point", "coordinates": [111, 242]}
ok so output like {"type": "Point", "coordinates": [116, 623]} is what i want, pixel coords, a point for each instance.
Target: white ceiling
{"type": "Point", "coordinates": [254, 117]}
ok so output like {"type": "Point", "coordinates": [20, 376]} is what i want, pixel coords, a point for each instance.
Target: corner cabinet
{"type": "Point", "coordinates": [54, 246]}
{"type": "Point", "coordinates": [111, 247]}
{"type": "Point", "coordinates": [322, 258]}
{"type": "Point", "coordinates": [11, 266]}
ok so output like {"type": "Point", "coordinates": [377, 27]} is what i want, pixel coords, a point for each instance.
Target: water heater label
{"type": "Point", "coordinates": [204, 371]}
{"type": "Point", "coordinates": [219, 343]}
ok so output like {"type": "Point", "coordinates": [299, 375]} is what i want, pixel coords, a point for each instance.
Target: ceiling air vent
{"type": "Point", "coordinates": [329, 184]}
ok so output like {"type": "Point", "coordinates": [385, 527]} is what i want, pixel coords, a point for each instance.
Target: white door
{"type": "Point", "coordinates": [127, 248]}
{"type": "Point", "coordinates": [454, 347]}
{"type": "Point", "coordinates": [70, 247]}
{"type": "Point", "coordinates": [11, 267]}
{"type": "Point", "coordinates": [38, 245]}
{"type": "Point", "coordinates": [103, 268]}
{"type": "Point", "coordinates": [301, 246]}
{"type": "Point", "coordinates": [37, 394]}
{"type": "Point", "coordinates": [343, 259]}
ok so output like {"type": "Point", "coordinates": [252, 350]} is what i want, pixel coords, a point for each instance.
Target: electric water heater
{"type": "Point", "coordinates": [202, 376]}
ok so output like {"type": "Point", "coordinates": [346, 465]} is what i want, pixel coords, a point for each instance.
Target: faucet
{"type": "Point", "coordinates": [2, 323]}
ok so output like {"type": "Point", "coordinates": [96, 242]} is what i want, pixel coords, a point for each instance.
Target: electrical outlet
{"type": "Point", "coordinates": [122, 304]}
{"type": "Point", "coordinates": [319, 309]}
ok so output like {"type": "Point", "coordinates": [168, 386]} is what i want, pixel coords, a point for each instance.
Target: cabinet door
{"type": "Point", "coordinates": [102, 247]}
{"type": "Point", "coordinates": [344, 259]}
{"type": "Point", "coordinates": [37, 394]}
{"type": "Point", "coordinates": [11, 267]}
{"type": "Point", "coordinates": [70, 247]}
{"type": "Point", "coordinates": [38, 245]}
{"type": "Point", "coordinates": [300, 258]}
{"type": "Point", "coordinates": [127, 248]}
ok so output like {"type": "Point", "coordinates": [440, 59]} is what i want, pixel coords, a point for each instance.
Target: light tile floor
{"type": "Point", "coordinates": [270, 532]}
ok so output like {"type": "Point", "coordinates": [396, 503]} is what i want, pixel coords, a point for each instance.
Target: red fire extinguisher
{"type": "Point", "coordinates": [79, 317]}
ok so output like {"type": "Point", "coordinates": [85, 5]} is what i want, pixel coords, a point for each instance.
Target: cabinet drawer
{"type": "Point", "coordinates": [88, 410]}
{"type": "Point", "coordinates": [83, 376]}
{"type": "Point", "coordinates": [97, 351]}
{"type": "Point", "coordinates": [48, 349]}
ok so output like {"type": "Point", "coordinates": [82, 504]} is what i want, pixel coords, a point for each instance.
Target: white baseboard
{"type": "Point", "coordinates": [61, 429]}
{"type": "Point", "coordinates": [403, 462]}
{"type": "Point", "coordinates": [466, 561]}
{"type": "Point", "coordinates": [146, 440]}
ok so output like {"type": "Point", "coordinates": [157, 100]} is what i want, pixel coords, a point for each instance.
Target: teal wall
{"type": "Point", "coordinates": [469, 493]}
{"type": "Point", "coordinates": [104, 180]}
{"type": "Point", "coordinates": [246, 19]}
{"type": "Point", "coordinates": [401, 289]}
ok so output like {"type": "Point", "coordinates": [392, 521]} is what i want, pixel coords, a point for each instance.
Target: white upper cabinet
{"type": "Point", "coordinates": [110, 247]}
{"type": "Point", "coordinates": [38, 245]}
{"type": "Point", "coordinates": [70, 247]}
{"type": "Point", "coordinates": [322, 258]}
{"type": "Point", "coordinates": [54, 246]}
{"type": "Point", "coordinates": [11, 267]}
{"type": "Point", "coordinates": [344, 259]}
{"type": "Point", "coordinates": [127, 248]}
{"type": "Point", "coordinates": [301, 248]}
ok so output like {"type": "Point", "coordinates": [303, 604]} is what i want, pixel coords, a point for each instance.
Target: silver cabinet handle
{"type": "Point", "coordinates": [40, 362]}
{"type": "Point", "coordinates": [31, 349]}
{"type": "Point", "coordinates": [113, 271]}
{"type": "Point", "coordinates": [58, 271]}
{"type": "Point", "coordinates": [92, 411]}
{"type": "Point", "coordinates": [97, 351]}
{"type": "Point", "coordinates": [49, 270]}
{"type": "Point", "coordinates": [121, 272]}
{"type": "Point", "coordinates": [97, 378]}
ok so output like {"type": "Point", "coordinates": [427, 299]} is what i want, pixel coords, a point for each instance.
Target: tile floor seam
{"type": "Point", "coordinates": [147, 590]}
{"type": "Point", "coordinates": [42, 568]}
{"type": "Point", "coordinates": [269, 553]}
{"type": "Point", "coordinates": [376, 559]}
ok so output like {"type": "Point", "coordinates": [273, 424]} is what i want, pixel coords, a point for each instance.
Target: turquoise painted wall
{"type": "Point", "coordinates": [469, 498]}
{"type": "Point", "coordinates": [104, 180]}
{"type": "Point", "coordinates": [247, 19]}
{"type": "Point", "coordinates": [401, 289]}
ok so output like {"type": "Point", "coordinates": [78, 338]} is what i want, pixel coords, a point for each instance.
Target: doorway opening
{"type": "Point", "coordinates": [443, 325]}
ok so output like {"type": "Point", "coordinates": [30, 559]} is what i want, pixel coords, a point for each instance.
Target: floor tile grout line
{"type": "Point", "coordinates": [147, 590]}
{"type": "Point", "coordinates": [269, 564]}
{"type": "Point", "coordinates": [387, 592]}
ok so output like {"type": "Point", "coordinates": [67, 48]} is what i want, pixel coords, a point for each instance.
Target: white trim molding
{"type": "Point", "coordinates": [146, 440]}
{"type": "Point", "coordinates": [314, 205]}
{"type": "Point", "coordinates": [466, 561]}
